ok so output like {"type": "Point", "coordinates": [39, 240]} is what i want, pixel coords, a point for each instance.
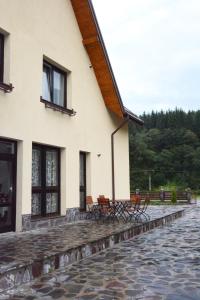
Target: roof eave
{"type": "Point", "coordinates": [129, 114]}
{"type": "Point", "coordinates": [106, 55]}
{"type": "Point", "coordinates": [95, 47]}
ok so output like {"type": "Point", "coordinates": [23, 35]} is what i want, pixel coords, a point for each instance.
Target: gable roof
{"type": "Point", "coordinates": [95, 47]}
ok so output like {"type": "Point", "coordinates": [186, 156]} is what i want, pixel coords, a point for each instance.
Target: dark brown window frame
{"type": "Point", "coordinates": [13, 158]}
{"type": "Point", "coordinates": [50, 104]}
{"type": "Point", "coordinates": [7, 88]}
{"type": "Point", "coordinates": [43, 190]}
{"type": "Point", "coordinates": [53, 68]}
{"type": "Point", "coordinates": [84, 187]}
{"type": "Point", "coordinates": [1, 57]}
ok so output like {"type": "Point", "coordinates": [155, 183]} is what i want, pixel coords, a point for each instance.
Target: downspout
{"type": "Point", "coordinates": [113, 157]}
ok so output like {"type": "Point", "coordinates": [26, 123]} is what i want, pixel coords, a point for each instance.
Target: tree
{"type": "Point", "coordinates": [168, 144]}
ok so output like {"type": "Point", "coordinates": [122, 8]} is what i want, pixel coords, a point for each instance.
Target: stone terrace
{"type": "Point", "coordinates": [25, 256]}
{"type": "Point", "coordinates": [162, 264]}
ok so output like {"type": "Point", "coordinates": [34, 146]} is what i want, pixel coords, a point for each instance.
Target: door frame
{"type": "Point", "coordinates": [13, 159]}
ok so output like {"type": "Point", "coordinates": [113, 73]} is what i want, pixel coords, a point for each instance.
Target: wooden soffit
{"type": "Point", "coordinates": [94, 44]}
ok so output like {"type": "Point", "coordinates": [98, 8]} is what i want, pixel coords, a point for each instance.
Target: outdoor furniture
{"type": "Point", "coordinates": [121, 210]}
{"type": "Point", "coordinates": [92, 209]}
{"type": "Point", "coordinates": [134, 208]}
{"type": "Point", "coordinates": [125, 210]}
{"type": "Point", "coordinates": [142, 210]}
{"type": "Point", "coordinates": [106, 211]}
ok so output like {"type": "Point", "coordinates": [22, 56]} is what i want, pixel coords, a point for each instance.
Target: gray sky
{"type": "Point", "coordinates": [154, 49]}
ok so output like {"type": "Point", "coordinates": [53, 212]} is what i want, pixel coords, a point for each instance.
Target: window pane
{"type": "Point", "coordinates": [7, 147]}
{"type": "Point", "coordinates": [82, 169]}
{"type": "Point", "coordinates": [6, 182]}
{"type": "Point", "coordinates": [51, 168]}
{"type": "Point", "coordinates": [58, 88]}
{"type": "Point", "coordinates": [5, 216]}
{"type": "Point", "coordinates": [46, 84]}
{"type": "Point", "coordinates": [82, 200]}
{"type": "Point", "coordinates": [36, 167]}
{"type": "Point", "coordinates": [1, 57]}
{"type": "Point", "coordinates": [51, 203]}
{"type": "Point", "coordinates": [36, 204]}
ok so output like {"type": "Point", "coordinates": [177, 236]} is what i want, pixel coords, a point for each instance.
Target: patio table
{"type": "Point", "coordinates": [121, 209]}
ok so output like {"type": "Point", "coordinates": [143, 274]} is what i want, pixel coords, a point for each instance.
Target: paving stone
{"type": "Point", "coordinates": [45, 290]}
{"type": "Point", "coordinates": [133, 293]}
{"type": "Point", "coordinates": [57, 293]}
{"type": "Point", "coordinates": [162, 264]}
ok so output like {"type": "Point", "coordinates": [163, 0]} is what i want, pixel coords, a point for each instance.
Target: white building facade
{"type": "Point", "coordinates": [55, 123]}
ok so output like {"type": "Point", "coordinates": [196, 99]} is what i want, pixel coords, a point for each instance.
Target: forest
{"type": "Point", "coordinates": [166, 150]}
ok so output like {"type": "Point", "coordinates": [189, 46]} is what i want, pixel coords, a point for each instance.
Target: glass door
{"type": "Point", "coordinates": [7, 185]}
{"type": "Point", "coordinates": [45, 181]}
{"type": "Point", "coordinates": [82, 180]}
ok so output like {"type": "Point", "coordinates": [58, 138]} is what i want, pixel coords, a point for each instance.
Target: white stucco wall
{"type": "Point", "coordinates": [39, 28]}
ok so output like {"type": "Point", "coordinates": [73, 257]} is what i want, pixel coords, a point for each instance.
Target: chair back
{"type": "Point", "coordinates": [102, 201]}
{"type": "Point", "coordinates": [146, 203]}
{"type": "Point", "coordinates": [89, 202]}
{"type": "Point", "coordinates": [136, 200]}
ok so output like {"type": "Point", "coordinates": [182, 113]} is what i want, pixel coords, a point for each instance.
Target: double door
{"type": "Point", "coordinates": [7, 185]}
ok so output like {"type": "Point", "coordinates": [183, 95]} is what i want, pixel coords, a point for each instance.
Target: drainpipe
{"type": "Point", "coordinates": [112, 155]}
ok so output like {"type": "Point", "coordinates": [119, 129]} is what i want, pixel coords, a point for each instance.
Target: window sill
{"type": "Point", "coordinates": [7, 88]}
{"type": "Point", "coordinates": [56, 107]}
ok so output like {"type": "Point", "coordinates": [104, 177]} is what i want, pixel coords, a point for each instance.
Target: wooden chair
{"type": "Point", "coordinates": [89, 202]}
{"type": "Point", "coordinates": [91, 208]}
{"type": "Point", "coordinates": [143, 208]}
{"type": "Point", "coordinates": [134, 209]}
{"type": "Point", "coordinates": [106, 210]}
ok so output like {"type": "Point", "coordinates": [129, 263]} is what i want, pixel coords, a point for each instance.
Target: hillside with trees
{"type": "Point", "coordinates": [168, 149]}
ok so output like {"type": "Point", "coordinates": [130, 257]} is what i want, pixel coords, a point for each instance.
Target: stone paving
{"type": "Point", "coordinates": [18, 249]}
{"type": "Point", "coordinates": [163, 264]}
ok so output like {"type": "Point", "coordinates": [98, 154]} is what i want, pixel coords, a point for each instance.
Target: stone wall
{"type": "Point", "coordinates": [72, 215]}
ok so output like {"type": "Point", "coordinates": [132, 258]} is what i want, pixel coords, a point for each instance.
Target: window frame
{"type": "Point", "coordinates": [7, 88]}
{"type": "Point", "coordinates": [44, 189]}
{"type": "Point", "coordinates": [53, 68]}
{"type": "Point", "coordinates": [2, 42]}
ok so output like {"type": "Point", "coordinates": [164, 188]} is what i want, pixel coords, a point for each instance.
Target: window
{"type": "Point", "coordinates": [7, 88]}
{"type": "Point", "coordinates": [45, 181]}
{"type": "Point", "coordinates": [83, 187]}
{"type": "Point", "coordinates": [1, 56]}
{"type": "Point", "coordinates": [54, 85]}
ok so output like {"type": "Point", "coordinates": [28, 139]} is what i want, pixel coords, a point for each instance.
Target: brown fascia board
{"type": "Point", "coordinates": [94, 44]}
{"type": "Point", "coordinates": [95, 47]}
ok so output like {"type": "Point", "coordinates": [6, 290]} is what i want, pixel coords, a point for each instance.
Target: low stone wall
{"type": "Point", "coordinates": [72, 215]}
{"type": "Point", "coordinates": [26, 273]}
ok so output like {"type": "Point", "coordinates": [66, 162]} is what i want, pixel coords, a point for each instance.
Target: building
{"type": "Point", "coordinates": [59, 105]}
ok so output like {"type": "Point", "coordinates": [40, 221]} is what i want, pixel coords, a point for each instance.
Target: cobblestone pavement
{"type": "Point", "coordinates": [163, 264]}
{"type": "Point", "coordinates": [19, 249]}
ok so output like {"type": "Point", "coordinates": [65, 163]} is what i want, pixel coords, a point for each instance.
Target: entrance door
{"type": "Point", "coordinates": [7, 185]}
{"type": "Point", "coordinates": [82, 180]}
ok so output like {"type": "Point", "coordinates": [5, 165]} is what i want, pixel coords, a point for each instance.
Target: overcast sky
{"type": "Point", "coordinates": [154, 49]}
